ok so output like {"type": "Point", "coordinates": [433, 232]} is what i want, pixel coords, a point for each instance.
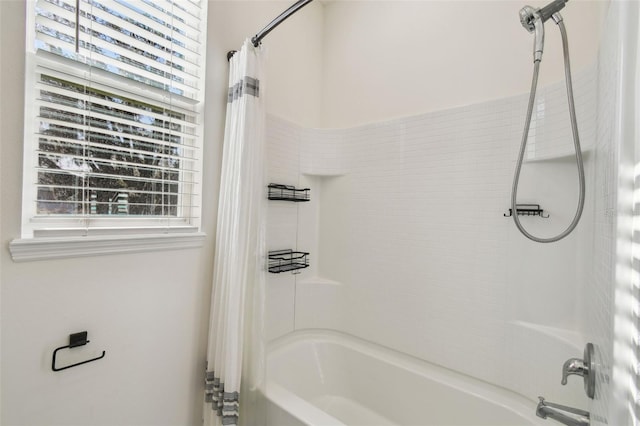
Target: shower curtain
{"type": "Point", "coordinates": [235, 354]}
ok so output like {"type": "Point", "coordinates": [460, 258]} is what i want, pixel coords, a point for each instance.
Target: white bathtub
{"type": "Point", "coordinates": [327, 378]}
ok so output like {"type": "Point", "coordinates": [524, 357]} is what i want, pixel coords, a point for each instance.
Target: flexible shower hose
{"type": "Point", "coordinates": [576, 143]}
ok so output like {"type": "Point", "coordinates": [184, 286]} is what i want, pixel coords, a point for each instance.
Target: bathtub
{"type": "Point", "coordinates": [326, 378]}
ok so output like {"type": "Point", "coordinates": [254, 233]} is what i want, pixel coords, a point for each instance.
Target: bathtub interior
{"type": "Point", "coordinates": [417, 271]}
{"type": "Point", "coordinates": [330, 378]}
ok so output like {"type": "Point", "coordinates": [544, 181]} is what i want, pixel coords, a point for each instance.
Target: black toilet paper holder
{"type": "Point", "coordinates": [75, 340]}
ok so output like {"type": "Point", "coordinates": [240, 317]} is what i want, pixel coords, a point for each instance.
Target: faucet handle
{"type": "Point", "coordinates": [573, 366]}
{"type": "Point", "coordinates": [582, 367]}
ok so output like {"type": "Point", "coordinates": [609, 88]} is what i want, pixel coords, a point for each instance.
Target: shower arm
{"type": "Point", "coordinates": [549, 10]}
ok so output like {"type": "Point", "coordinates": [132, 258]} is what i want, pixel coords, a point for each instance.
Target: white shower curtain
{"type": "Point", "coordinates": [235, 353]}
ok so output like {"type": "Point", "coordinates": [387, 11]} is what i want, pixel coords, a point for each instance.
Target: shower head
{"type": "Point", "coordinates": [533, 21]}
{"type": "Point", "coordinates": [528, 17]}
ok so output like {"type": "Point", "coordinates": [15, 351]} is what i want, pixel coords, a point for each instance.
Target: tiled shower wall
{"type": "Point", "coordinates": [410, 247]}
{"type": "Point", "coordinates": [600, 283]}
{"type": "Point", "coordinates": [611, 295]}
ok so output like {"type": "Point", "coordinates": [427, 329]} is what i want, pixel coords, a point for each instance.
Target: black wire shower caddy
{"type": "Point", "coordinates": [288, 193]}
{"type": "Point", "coordinates": [287, 260]}
{"type": "Point", "coordinates": [528, 210]}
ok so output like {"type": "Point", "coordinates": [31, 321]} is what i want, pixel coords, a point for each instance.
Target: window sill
{"type": "Point", "coordinates": [30, 249]}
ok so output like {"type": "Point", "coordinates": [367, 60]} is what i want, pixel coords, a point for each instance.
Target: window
{"type": "Point", "coordinates": [113, 131]}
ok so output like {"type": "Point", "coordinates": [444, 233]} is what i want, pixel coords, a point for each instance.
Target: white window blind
{"type": "Point", "coordinates": [114, 129]}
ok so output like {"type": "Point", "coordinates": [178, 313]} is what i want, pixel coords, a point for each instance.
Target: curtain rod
{"type": "Point", "coordinates": [257, 39]}
{"type": "Point", "coordinates": [281, 18]}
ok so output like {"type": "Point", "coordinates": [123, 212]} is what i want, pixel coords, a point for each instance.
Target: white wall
{"type": "Point", "coordinates": [149, 311]}
{"type": "Point", "coordinates": [413, 250]}
{"type": "Point", "coordinates": [386, 59]}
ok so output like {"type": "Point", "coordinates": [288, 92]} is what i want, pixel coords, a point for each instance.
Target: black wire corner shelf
{"type": "Point", "coordinates": [288, 193]}
{"type": "Point", "coordinates": [528, 210]}
{"type": "Point", "coordinates": [287, 260]}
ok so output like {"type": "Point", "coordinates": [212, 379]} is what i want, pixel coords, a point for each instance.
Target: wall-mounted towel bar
{"type": "Point", "coordinates": [75, 340]}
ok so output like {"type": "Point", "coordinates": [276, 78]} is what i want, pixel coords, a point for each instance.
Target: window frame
{"type": "Point", "coordinates": [58, 236]}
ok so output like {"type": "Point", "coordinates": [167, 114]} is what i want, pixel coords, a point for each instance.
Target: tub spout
{"type": "Point", "coordinates": [566, 415]}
